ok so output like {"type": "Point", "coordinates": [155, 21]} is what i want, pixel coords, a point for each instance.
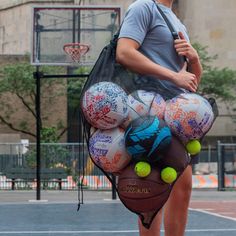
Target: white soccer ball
{"type": "Point", "coordinates": [189, 116]}
{"type": "Point", "coordinates": [158, 107]}
{"type": "Point", "coordinates": [104, 105]}
{"type": "Point", "coordinates": [139, 104]}
{"type": "Point", "coordinates": [107, 149]}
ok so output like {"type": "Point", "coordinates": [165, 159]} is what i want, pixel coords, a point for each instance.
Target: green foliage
{"type": "Point", "coordinates": [217, 82]}
{"type": "Point", "coordinates": [206, 59]}
{"type": "Point", "coordinates": [17, 93]}
{"type": "Point", "coordinates": [17, 79]}
{"type": "Point", "coordinates": [18, 84]}
{"type": "Point", "coordinates": [49, 135]}
{"type": "Point", "coordinates": [75, 86]}
{"type": "Point", "coordinates": [52, 156]}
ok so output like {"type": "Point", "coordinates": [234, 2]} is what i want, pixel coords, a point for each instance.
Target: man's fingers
{"type": "Point", "coordinates": [181, 35]}
{"type": "Point", "coordinates": [192, 87]}
{"type": "Point", "coordinates": [183, 46]}
{"type": "Point", "coordinates": [184, 50]}
{"type": "Point", "coordinates": [179, 42]}
{"type": "Point", "coordinates": [194, 84]}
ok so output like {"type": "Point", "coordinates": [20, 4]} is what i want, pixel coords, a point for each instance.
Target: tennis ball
{"type": "Point", "coordinates": [193, 147]}
{"type": "Point", "coordinates": [142, 169]}
{"type": "Point", "coordinates": [168, 175]}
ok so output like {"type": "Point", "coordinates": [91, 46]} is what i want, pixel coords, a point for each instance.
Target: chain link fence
{"type": "Point", "coordinates": [63, 166]}
{"type": "Point", "coordinates": [66, 166]}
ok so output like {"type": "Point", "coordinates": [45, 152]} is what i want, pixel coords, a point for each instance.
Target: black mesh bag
{"type": "Point", "coordinates": [107, 69]}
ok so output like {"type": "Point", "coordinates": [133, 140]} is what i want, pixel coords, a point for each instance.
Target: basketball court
{"type": "Point", "coordinates": [211, 213]}
{"type": "Point", "coordinates": [57, 33]}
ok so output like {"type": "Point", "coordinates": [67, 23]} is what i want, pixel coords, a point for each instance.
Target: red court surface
{"type": "Point", "coordinates": [226, 209]}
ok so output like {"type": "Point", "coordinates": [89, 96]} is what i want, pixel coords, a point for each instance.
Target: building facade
{"type": "Point", "coordinates": [209, 22]}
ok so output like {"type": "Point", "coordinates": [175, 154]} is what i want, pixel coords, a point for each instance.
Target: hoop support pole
{"type": "Point", "coordinates": [37, 76]}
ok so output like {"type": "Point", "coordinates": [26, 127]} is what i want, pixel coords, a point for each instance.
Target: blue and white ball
{"type": "Point", "coordinates": [104, 105]}
{"type": "Point", "coordinates": [146, 138]}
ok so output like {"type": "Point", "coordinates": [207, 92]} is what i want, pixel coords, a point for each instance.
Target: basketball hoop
{"type": "Point", "coordinates": [76, 50]}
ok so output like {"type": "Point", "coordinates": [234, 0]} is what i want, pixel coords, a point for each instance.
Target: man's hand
{"type": "Point", "coordinates": [186, 80]}
{"type": "Point", "coordinates": [184, 48]}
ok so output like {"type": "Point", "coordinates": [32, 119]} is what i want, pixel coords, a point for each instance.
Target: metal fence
{"type": "Point", "coordinates": [226, 153]}
{"type": "Point", "coordinates": [67, 165]}
{"type": "Point", "coordinates": [63, 166]}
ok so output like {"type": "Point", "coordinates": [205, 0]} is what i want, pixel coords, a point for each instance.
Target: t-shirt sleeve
{"type": "Point", "coordinates": [136, 23]}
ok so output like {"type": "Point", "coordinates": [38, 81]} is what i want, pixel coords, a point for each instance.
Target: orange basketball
{"type": "Point", "coordinates": [142, 195]}
{"type": "Point", "coordinates": [176, 156]}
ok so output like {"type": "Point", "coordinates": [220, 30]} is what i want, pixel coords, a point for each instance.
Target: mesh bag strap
{"type": "Point", "coordinates": [170, 26]}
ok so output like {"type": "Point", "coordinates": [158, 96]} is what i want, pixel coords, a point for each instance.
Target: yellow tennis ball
{"type": "Point", "coordinates": [168, 175]}
{"type": "Point", "coordinates": [142, 169]}
{"type": "Point", "coordinates": [193, 147]}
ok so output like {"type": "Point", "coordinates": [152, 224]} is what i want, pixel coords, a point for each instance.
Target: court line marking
{"type": "Point", "coordinates": [106, 231]}
{"type": "Point", "coordinates": [102, 201]}
{"type": "Point", "coordinates": [213, 214]}
{"type": "Point", "coordinates": [228, 213]}
{"type": "Point", "coordinates": [70, 232]}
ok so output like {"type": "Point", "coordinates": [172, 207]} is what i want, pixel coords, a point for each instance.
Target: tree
{"type": "Point", "coordinates": [75, 86]}
{"type": "Point", "coordinates": [18, 91]}
{"type": "Point", "coordinates": [217, 82]}
{"type": "Point", "coordinates": [18, 84]}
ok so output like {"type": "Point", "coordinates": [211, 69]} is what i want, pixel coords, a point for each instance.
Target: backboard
{"type": "Point", "coordinates": [53, 27]}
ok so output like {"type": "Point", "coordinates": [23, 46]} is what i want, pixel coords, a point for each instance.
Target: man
{"type": "Point", "coordinates": [146, 46]}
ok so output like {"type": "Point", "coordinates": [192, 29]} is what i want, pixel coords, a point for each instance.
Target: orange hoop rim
{"type": "Point", "coordinates": [76, 50]}
{"type": "Point", "coordinates": [76, 44]}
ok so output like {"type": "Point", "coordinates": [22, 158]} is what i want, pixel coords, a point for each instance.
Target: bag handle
{"type": "Point", "coordinates": [170, 26]}
{"type": "Point", "coordinates": [175, 34]}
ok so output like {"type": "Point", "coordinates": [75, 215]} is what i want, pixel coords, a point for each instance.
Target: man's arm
{"type": "Point", "coordinates": [128, 55]}
{"type": "Point", "coordinates": [195, 67]}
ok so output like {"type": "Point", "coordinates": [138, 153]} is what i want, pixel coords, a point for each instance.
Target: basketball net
{"type": "Point", "coordinates": [76, 50]}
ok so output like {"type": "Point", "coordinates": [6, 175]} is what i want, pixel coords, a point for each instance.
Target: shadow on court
{"type": "Point", "coordinates": [109, 218]}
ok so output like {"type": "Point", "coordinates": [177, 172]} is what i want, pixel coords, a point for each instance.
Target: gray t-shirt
{"type": "Point", "coordinates": [144, 24]}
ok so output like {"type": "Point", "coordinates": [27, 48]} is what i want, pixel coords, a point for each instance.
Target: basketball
{"type": "Point", "coordinates": [142, 194]}
{"type": "Point", "coordinates": [139, 104]}
{"type": "Point", "coordinates": [107, 149]}
{"type": "Point", "coordinates": [146, 138]}
{"type": "Point", "coordinates": [175, 156]}
{"type": "Point", "coordinates": [104, 105]}
{"type": "Point", "coordinates": [158, 107]}
{"type": "Point", "coordinates": [189, 116]}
